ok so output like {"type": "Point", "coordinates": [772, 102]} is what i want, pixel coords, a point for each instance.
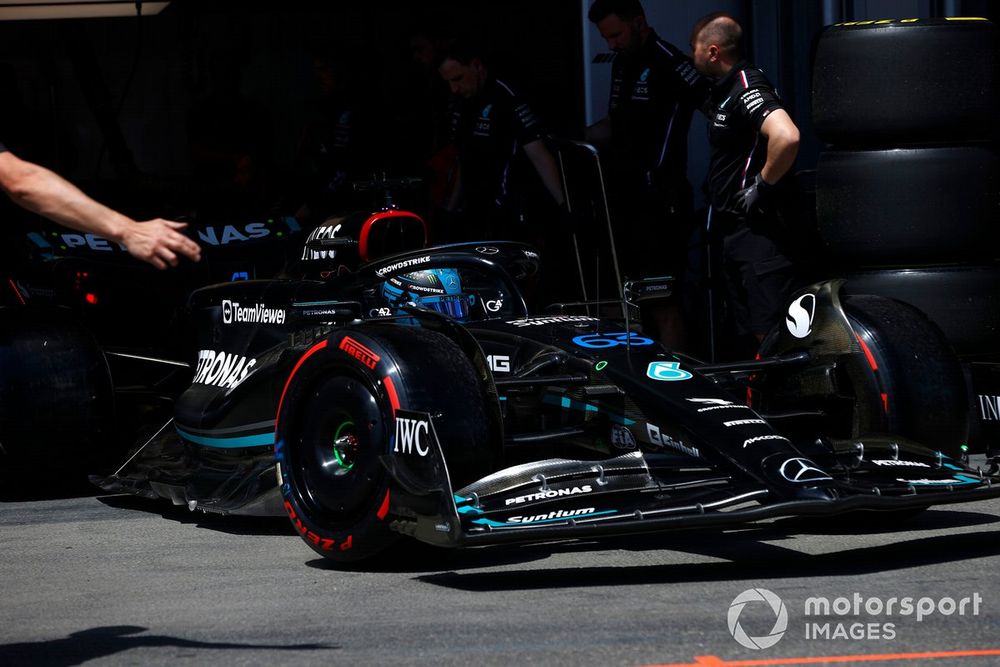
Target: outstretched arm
{"type": "Point", "coordinates": [46, 193]}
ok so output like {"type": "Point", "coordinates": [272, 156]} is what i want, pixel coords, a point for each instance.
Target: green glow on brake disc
{"type": "Point", "coordinates": [336, 452]}
{"type": "Point", "coordinates": [601, 365]}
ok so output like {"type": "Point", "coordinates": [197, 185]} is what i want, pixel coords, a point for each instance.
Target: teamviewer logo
{"type": "Point", "coordinates": [776, 606]}
{"type": "Point", "coordinates": [227, 311]}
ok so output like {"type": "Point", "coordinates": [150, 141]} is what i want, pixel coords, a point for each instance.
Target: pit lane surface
{"type": "Point", "coordinates": [115, 580]}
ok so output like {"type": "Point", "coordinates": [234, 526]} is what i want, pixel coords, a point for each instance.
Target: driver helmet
{"type": "Point", "coordinates": [436, 289]}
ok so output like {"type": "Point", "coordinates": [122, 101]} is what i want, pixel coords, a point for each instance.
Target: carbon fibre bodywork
{"type": "Point", "coordinates": [595, 428]}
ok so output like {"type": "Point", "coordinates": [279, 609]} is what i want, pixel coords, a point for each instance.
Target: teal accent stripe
{"type": "Point", "coordinates": [965, 479]}
{"type": "Point", "coordinates": [567, 403]}
{"type": "Point", "coordinates": [231, 442]}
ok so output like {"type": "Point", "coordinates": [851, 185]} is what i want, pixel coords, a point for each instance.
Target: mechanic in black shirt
{"type": "Point", "coordinates": [654, 91]}
{"type": "Point", "coordinates": [494, 129]}
{"type": "Point", "coordinates": [44, 192]}
{"type": "Point", "coordinates": [754, 143]}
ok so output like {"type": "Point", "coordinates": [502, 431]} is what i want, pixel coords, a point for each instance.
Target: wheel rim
{"type": "Point", "coordinates": [334, 459]}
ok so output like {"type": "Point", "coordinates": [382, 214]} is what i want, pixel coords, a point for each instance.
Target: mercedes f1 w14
{"type": "Point", "coordinates": [415, 396]}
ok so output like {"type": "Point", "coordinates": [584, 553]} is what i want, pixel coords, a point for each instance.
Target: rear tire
{"type": "Point", "coordinates": [338, 497]}
{"type": "Point", "coordinates": [56, 401]}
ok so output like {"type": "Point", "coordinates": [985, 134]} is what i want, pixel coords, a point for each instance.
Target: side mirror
{"type": "Point", "coordinates": [649, 288]}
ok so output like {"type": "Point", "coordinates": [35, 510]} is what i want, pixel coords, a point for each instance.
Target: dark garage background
{"type": "Point", "coordinates": [105, 101]}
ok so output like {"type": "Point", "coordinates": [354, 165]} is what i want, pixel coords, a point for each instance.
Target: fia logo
{"type": "Point", "coordinates": [621, 437]}
{"type": "Point", "coordinates": [412, 433]}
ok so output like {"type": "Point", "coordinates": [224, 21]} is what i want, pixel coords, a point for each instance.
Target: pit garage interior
{"type": "Point", "coordinates": [126, 99]}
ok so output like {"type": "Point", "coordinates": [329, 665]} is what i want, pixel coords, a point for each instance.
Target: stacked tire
{"type": "Point", "coordinates": [908, 188]}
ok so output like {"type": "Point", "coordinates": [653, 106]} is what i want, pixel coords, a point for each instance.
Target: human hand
{"type": "Point", "coordinates": [755, 196]}
{"type": "Point", "coordinates": [159, 242]}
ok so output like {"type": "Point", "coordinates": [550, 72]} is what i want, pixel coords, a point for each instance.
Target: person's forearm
{"type": "Point", "coordinates": [548, 170]}
{"type": "Point", "coordinates": [48, 194]}
{"type": "Point", "coordinates": [780, 158]}
{"type": "Point", "coordinates": [599, 134]}
{"type": "Point", "coordinates": [455, 197]}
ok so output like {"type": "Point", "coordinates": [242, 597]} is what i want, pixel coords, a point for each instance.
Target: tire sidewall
{"type": "Point", "coordinates": [369, 533]}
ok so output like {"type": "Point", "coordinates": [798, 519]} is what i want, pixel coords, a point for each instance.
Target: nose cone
{"type": "Point", "coordinates": [798, 478]}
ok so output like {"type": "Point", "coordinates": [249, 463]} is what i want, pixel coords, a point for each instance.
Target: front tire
{"type": "Point", "coordinates": [336, 420]}
{"type": "Point", "coordinates": [908, 381]}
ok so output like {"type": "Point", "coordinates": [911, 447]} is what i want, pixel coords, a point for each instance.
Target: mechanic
{"type": "Point", "coordinates": [654, 91]}
{"type": "Point", "coordinates": [754, 143]}
{"type": "Point", "coordinates": [44, 192]}
{"type": "Point", "coordinates": [494, 129]}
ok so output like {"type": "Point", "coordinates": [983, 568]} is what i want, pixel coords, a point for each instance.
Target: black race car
{"type": "Point", "coordinates": [413, 394]}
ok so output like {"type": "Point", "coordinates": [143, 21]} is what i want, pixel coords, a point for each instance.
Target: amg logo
{"type": "Point", "coordinates": [989, 408]}
{"type": "Point", "coordinates": [412, 435]}
{"type": "Point", "coordinates": [499, 363]}
{"type": "Point", "coordinates": [359, 352]}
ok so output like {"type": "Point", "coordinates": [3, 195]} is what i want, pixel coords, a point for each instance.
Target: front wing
{"type": "Point", "coordinates": [565, 499]}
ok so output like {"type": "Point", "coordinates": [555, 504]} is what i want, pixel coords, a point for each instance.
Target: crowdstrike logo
{"type": "Point", "coordinates": [405, 264]}
{"type": "Point", "coordinates": [776, 606]}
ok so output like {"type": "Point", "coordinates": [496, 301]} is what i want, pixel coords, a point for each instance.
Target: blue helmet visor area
{"type": "Point", "coordinates": [455, 306]}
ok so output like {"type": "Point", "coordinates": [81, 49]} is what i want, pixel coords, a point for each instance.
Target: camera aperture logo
{"type": "Point", "coordinates": [846, 618]}
{"type": "Point", "coordinates": [773, 602]}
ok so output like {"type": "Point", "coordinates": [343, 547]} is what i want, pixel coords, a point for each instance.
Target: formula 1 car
{"type": "Point", "coordinates": [412, 394]}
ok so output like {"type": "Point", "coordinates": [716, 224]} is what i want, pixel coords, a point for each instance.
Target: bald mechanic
{"type": "Point", "coordinates": [753, 146]}
{"type": "Point", "coordinates": [41, 191]}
